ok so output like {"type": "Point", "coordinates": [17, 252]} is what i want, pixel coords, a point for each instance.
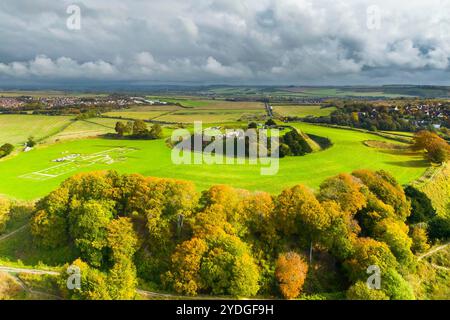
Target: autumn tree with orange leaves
{"type": "Point", "coordinates": [437, 149]}
{"type": "Point", "coordinates": [291, 270]}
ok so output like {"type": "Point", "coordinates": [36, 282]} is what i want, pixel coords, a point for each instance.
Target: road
{"type": "Point", "coordinates": [14, 271]}
{"type": "Point", "coordinates": [36, 292]}
{"type": "Point", "coordinates": [6, 236]}
{"type": "Point", "coordinates": [440, 267]}
{"type": "Point", "coordinates": [433, 251]}
{"type": "Point", "coordinates": [28, 271]}
{"type": "Point", "coordinates": [268, 109]}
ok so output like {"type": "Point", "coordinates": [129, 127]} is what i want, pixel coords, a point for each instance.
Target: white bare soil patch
{"type": "Point", "coordinates": [73, 162]}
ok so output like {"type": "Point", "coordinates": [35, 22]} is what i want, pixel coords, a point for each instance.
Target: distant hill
{"type": "Point", "coordinates": [237, 92]}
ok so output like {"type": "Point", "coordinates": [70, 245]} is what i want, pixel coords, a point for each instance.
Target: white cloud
{"type": "Point", "coordinates": [215, 67]}
{"type": "Point", "coordinates": [322, 41]}
{"type": "Point", "coordinates": [61, 68]}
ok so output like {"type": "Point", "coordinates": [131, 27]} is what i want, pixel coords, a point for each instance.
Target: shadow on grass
{"type": "Point", "coordinates": [401, 152]}
{"type": "Point", "coordinates": [19, 250]}
{"type": "Point", "coordinates": [410, 164]}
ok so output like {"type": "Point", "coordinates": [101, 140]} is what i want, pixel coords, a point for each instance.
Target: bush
{"type": "Point", "coordinates": [5, 207]}
{"type": "Point", "coordinates": [421, 207]}
{"type": "Point", "coordinates": [419, 237]}
{"type": "Point", "coordinates": [252, 125]}
{"type": "Point", "coordinates": [31, 142]}
{"type": "Point", "coordinates": [9, 289]}
{"type": "Point", "coordinates": [156, 132]}
{"type": "Point", "coordinates": [437, 148]}
{"type": "Point", "coordinates": [360, 291]}
{"type": "Point", "coordinates": [439, 228]}
{"type": "Point", "coordinates": [6, 149]}
{"type": "Point", "coordinates": [284, 150]}
{"type": "Point", "coordinates": [397, 288]}
{"type": "Point", "coordinates": [296, 143]}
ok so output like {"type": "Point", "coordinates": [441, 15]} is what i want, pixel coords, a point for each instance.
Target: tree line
{"type": "Point", "coordinates": [138, 130]}
{"type": "Point", "coordinates": [292, 143]}
{"type": "Point", "coordinates": [226, 241]}
{"type": "Point", "coordinates": [368, 116]}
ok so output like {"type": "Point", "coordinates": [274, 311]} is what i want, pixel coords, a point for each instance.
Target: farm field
{"type": "Point", "coordinates": [204, 104]}
{"type": "Point", "coordinates": [231, 105]}
{"type": "Point", "coordinates": [306, 92]}
{"type": "Point", "coordinates": [153, 158]}
{"type": "Point", "coordinates": [302, 110]}
{"type": "Point", "coordinates": [187, 102]}
{"type": "Point", "coordinates": [143, 112]}
{"type": "Point", "coordinates": [90, 128]}
{"type": "Point", "coordinates": [16, 129]}
{"type": "Point", "coordinates": [84, 129]}
{"type": "Point", "coordinates": [337, 92]}
{"type": "Point", "coordinates": [208, 111]}
{"type": "Point", "coordinates": [212, 116]}
{"type": "Point", "coordinates": [138, 115]}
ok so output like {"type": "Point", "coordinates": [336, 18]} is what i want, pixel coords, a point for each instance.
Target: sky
{"type": "Point", "coordinates": [264, 42]}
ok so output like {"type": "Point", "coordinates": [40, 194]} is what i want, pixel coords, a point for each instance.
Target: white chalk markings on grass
{"type": "Point", "coordinates": [107, 157]}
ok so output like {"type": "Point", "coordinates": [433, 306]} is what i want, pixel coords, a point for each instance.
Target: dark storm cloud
{"type": "Point", "coordinates": [264, 41]}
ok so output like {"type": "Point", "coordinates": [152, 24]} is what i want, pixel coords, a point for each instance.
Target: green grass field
{"type": "Point", "coordinates": [16, 129]}
{"type": "Point", "coordinates": [302, 110]}
{"type": "Point", "coordinates": [188, 102]}
{"type": "Point", "coordinates": [84, 129]}
{"type": "Point", "coordinates": [153, 158]}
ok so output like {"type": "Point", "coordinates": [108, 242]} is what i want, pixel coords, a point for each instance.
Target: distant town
{"type": "Point", "coordinates": [30, 103]}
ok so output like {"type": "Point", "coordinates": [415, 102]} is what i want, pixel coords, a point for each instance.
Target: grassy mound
{"type": "Point", "coordinates": [312, 144]}
{"type": "Point", "coordinates": [435, 183]}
